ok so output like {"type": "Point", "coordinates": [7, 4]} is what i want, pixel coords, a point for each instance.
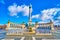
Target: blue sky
{"type": "Point", "coordinates": [17, 11]}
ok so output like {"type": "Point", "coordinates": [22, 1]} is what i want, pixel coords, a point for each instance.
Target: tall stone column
{"type": "Point", "coordinates": [30, 21]}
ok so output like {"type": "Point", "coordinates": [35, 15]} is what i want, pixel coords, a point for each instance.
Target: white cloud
{"type": "Point", "coordinates": [59, 17]}
{"type": "Point", "coordinates": [19, 8]}
{"type": "Point", "coordinates": [49, 13]}
{"type": "Point", "coordinates": [26, 10]}
{"type": "Point", "coordinates": [35, 16]}
{"type": "Point", "coordinates": [57, 22]}
{"type": "Point", "coordinates": [14, 9]}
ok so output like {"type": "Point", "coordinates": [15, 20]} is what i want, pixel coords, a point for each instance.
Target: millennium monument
{"type": "Point", "coordinates": [16, 30]}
